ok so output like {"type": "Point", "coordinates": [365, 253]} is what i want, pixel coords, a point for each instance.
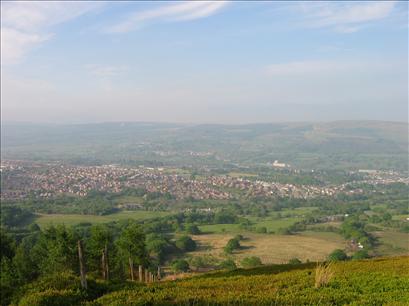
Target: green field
{"type": "Point", "coordinates": [44, 220]}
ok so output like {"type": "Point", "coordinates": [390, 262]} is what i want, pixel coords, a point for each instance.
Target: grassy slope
{"type": "Point", "coordinates": [369, 282]}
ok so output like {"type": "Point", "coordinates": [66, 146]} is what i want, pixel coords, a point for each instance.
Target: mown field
{"type": "Point", "coordinates": [44, 220]}
{"type": "Point", "coordinates": [368, 282]}
{"type": "Point", "coordinates": [272, 249]}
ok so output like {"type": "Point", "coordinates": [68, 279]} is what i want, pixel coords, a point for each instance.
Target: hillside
{"type": "Point", "coordinates": [341, 144]}
{"type": "Point", "coordinates": [383, 281]}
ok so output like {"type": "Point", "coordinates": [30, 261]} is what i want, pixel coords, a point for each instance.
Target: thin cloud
{"type": "Point", "coordinates": [347, 17]}
{"type": "Point", "coordinates": [25, 24]}
{"type": "Point", "coordinates": [105, 71]}
{"type": "Point", "coordinates": [188, 10]}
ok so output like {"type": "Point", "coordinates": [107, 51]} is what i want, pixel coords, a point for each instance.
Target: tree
{"type": "Point", "coordinates": [131, 243]}
{"type": "Point", "coordinates": [180, 265]}
{"type": "Point", "coordinates": [337, 255]}
{"type": "Point", "coordinates": [99, 247]}
{"type": "Point", "coordinates": [251, 262]}
{"type": "Point", "coordinates": [193, 229]}
{"type": "Point", "coordinates": [232, 244]}
{"type": "Point", "coordinates": [186, 244]}
{"type": "Point", "coordinates": [56, 250]}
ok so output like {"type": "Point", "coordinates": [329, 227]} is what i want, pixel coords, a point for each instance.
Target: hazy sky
{"type": "Point", "coordinates": [203, 61]}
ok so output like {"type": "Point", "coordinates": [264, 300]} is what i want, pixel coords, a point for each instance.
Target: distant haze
{"type": "Point", "coordinates": [204, 62]}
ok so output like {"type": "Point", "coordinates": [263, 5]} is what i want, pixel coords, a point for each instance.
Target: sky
{"type": "Point", "coordinates": [203, 61]}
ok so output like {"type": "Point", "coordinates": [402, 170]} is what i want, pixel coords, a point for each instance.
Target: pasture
{"type": "Point", "coordinates": [272, 249]}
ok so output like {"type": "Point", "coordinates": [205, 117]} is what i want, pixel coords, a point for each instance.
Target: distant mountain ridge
{"type": "Point", "coordinates": [338, 144]}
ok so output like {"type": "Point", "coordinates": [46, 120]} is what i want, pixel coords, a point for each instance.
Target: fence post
{"type": "Point", "coordinates": [82, 266]}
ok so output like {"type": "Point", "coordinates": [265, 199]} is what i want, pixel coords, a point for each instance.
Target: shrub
{"type": "Point", "coordinates": [337, 255]}
{"type": "Point", "coordinates": [186, 244]}
{"type": "Point", "coordinates": [294, 261]}
{"type": "Point", "coordinates": [232, 244]}
{"type": "Point", "coordinates": [180, 265]}
{"type": "Point", "coordinates": [228, 264]}
{"type": "Point", "coordinates": [52, 297]}
{"type": "Point", "coordinates": [193, 229]}
{"type": "Point", "coordinates": [323, 275]}
{"type": "Point", "coordinates": [261, 230]}
{"type": "Point", "coordinates": [250, 262]}
{"type": "Point", "coordinates": [361, 254]}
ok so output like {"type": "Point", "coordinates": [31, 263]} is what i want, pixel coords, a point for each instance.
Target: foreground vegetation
{"type": "Point", "coordinates": [382, 281]}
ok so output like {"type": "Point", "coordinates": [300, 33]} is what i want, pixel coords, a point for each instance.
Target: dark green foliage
{"type": "Point", "coordinates": [12, 216]}
{"type": "Point", "coordinates": [337, 255]}
{"type": "Point", "coordinates": [186, 244]}
{"type": "Point", "coordinates": [361, 254]}
{"type": "Point", "coordinates": [228, 264]}
{"type": "Point", "coordinates": [180, 265]}
{"type": "Point", "coordinates": [131, 244]}
{"type": "Point", "coordinates": [294, 261]}
{"type": "Point", "coordinates": [232, 244]}
{"type": "Point", "coordinates": [251, 262]}
{"type": "Point", "coordinates": [192, 229]}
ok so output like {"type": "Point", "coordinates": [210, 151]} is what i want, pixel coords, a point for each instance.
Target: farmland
{"type": "Point", "coordinates": [272, 249]}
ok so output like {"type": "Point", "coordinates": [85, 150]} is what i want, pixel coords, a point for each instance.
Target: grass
{"type": "Point", "coordinates": [44, 220]}
{"type": "Point", "coordinates": [273, 225]}
{"type": "Point", "coordinates": [272, 249]}
{"type": "Point", "coordinates": [323, 274]}
{"type": "Point", "coordinates": [392, 243]}
{"type": "Point", "coordinates": [368, 282]}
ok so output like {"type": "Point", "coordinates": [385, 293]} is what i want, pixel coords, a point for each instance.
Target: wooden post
{"type": "Point", "coordinates": [146, 276]}
{"type": "Point", "coordinates": [131, 269]}
{"type": "Point", "coordinates": [158, 273]}
{"type": "Point", "coordinates": [104, 263]}
{"type": "Point", "coordinates": [82, 265]}
{"type": "Point", "coordinates": [140, 274]}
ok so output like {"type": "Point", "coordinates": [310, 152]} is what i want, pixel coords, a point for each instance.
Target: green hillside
{"type": "Point", "coordinates": [383, 281]}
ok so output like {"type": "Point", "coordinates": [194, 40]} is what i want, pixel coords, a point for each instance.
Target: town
{"type": "Point", "coordinates": [21, 179]}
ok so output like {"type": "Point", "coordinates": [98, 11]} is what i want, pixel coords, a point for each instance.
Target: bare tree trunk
{"type": "Point", "coordinates": [158, 273]}
{"type": "Point", "coordinates": [82, 266]}
{"type": "Point", "coordinates": [140, 276]}
{"type": "Point", "coordinates": [106, 265]}
{"type": "Point", "coordinates": [104, 275]}
{"type": "Point", "coordinates": [131, 268]}
{"type": "Point", "coordinates": [146, 276]}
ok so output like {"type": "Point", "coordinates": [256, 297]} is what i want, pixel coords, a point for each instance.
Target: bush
{"type": "Point", "coordinates": [186, 244]}
{"type": "Point", "coordinates": [180, 265]}
{"type": "Point", "coordinates": [261, 230]}
{"type": "Point", "coordinates": [337, 255]}
{"type": "Point", "coordinates": [232, 244]}
{"type": "Point", "coordinates": [51, 297]}
{"type": "Point", "coordinates": [361, 254]}
{"type": "Point", "coordinates": [251, 262]}
{"type": "Point", "coordinates": [228, 264]}
{"type": "Point", "coordinates": [193, 229]}
{"type": "Point", "coordinates": [294, 261]}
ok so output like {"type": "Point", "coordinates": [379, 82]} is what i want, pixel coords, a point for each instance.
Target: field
{"type": "Point", "coordinates": [368, 282]}
{"type": "Point", "coordinates": [392, 243]}
{"type": "Point", "coordinates": [44, 220]}
{"type": "Point", "coordinates": [272, 249]}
